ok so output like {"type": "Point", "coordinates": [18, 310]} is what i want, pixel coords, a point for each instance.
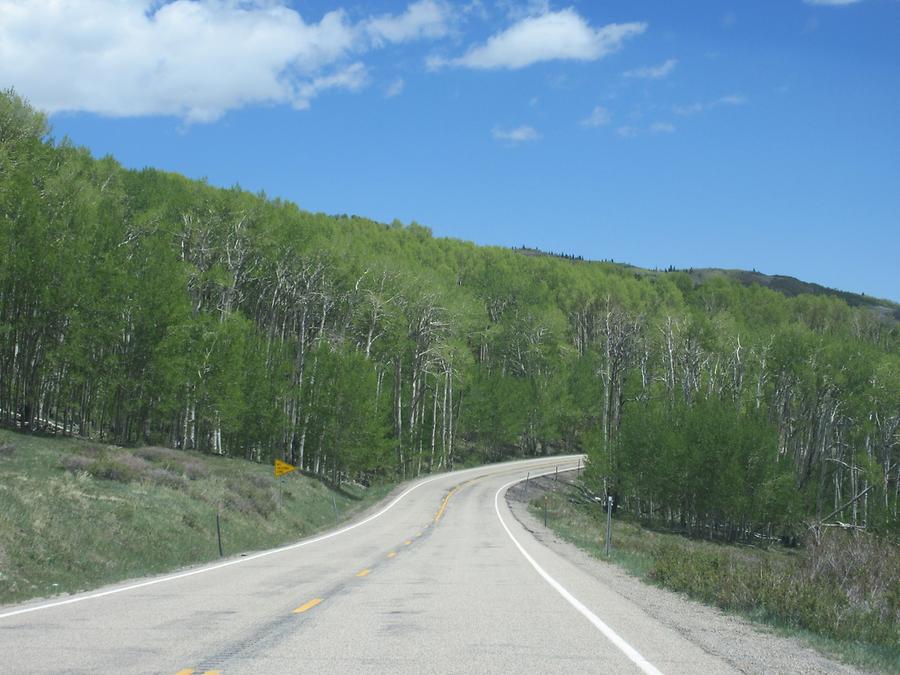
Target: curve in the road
{"type": "Point", "coordinates": [238, 561]}
{"type": "Point", "coordinates": [608, 632]}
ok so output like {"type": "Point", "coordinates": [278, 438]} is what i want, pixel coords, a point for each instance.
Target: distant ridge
{"type": "Point", "coordinates": [791, 286]}
{"type": "Point", "coordinates": [786, 285]}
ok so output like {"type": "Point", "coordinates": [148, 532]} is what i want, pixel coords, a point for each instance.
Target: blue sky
{"type": "Point", "coordinates": [747, 134]}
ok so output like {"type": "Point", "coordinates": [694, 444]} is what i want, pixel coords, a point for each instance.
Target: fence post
{"type": "Point", "coordinates": [609, 508]}
{"type": "Point", "coordinates": [219, 535]}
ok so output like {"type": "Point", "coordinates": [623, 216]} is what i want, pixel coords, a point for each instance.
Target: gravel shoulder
{"type": "Point", "coordinates": [748, 647]}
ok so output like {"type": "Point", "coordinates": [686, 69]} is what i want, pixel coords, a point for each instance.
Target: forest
{"type": "Point", "coordinates": [143, 308]}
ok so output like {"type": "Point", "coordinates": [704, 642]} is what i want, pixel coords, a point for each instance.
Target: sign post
{"type": "Point", "coordinates": [282, 468]}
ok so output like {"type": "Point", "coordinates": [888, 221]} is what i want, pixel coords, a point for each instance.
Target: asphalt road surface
{"type": "Point", "coordinates": [441, 578]}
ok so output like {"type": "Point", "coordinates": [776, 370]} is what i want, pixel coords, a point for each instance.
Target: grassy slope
{"type": "Point", "coordinates": [65, 530]}
{"type": "Point", "coordinates": [738, 579]}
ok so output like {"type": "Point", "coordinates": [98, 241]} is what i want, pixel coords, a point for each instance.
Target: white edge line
{"type": "Point", "coordinates": [608, 632]}
{"type": "Point", "coordinates": [255, 556]}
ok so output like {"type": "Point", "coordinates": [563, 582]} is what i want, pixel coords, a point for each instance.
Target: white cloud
{"type": "Point", "coordinates": [731, 100]}
{"type": "Point", "coordinates": [662, 128]}
{"type": "Point", "coordinates": [702, 106]}
{"type": "Point", "coordinates": [691, 109]}
{"type": "Point", "coordinates": [395, 88]}
{"type": "Point", "coordinates": [194, 59]}
{"type": "Point", "coordinates": [653, 72]}
{"type": "Point", "coordinates": [423, 19]}
{"type": "Point", "coordinates": [832, 3]}
{"type": "Point", "coordinates": [626, 132]}
{"type": "Point", "coordinates": [517, 135]}
{"type": "Point", "coordinates": [599, 116]}
{"type": "Point", "coordinates": [515, 9]}
{"type": "Point", "coordinates": [352, 78]}
{"type": "Point", "coordinates": [562, 35]}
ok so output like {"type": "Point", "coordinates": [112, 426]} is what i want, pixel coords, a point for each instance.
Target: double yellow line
{"type": "Point", "coordinates": [444, 503]}
{"type": "Point", "coordinates": [452, 492]}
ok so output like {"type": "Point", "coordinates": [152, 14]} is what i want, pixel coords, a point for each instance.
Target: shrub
{"type": "Point", "coordinates": [164, 477]}
{"type": "Point", "coordinates": [136, 464]}
{"type": "Point", "coordinates": [262, 482]}
{"type": "Point", "coordinates": [862, 572]}
{"type": "Point", "coordinates": [107, 469]}
{"type": "Point", "coordinates": [77, 464]}
{"type": "Point", "coordinates": [846, 586]}
{"type": "Point", "coordinates": [245, 497]}
{"type": "Point", "coordinates": [92, 450]}
{"type": "Point", "coordinates": [157, 454]}
{"type": "Point", "coordinates": [195, 471]}
{"type": "Point", "coordinates": [239, 503]}
{"type": "Point", "coordinates": [122, 467]}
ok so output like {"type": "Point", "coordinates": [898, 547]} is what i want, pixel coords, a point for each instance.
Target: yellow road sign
{"type": "Point", "coordinates": [282, 468]}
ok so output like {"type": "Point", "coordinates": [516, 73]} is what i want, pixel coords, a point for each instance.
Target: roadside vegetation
{"type": "Point", "coordinates": [75, 515]}
{"type": "Point", "coordinates": [840, 592]}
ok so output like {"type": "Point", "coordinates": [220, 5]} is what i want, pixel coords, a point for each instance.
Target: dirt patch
{"type": "Point", "coordinates": [747, 647]}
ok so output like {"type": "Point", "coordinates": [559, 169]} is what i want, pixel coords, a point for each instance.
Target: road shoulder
{"type": "Point", "coordinates": [745, 646]}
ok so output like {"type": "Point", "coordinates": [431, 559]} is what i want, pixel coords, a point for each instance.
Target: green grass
{"type": "Point", "coordinates": [75, 515]}
{"type": "Point", "coordinates": [841, 598]}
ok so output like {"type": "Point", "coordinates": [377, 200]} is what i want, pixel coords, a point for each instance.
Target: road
{"type": "Point", "coordinates": [441, 578]}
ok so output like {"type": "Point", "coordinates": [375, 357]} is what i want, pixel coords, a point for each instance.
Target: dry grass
{"type": "Point", "coordinates": [76, 515]}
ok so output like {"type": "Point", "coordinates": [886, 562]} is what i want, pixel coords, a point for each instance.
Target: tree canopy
{"type": "Point", "coordinates": [142, 307]}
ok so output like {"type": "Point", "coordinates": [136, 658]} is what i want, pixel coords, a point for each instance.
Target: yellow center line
{"type": "Point", "coordinates": [444, 503]}
{"type": "Point", "coordinates": [213, 672]}
{"type": "Point", "coordinates": [185, 671]}
{"type": "Point", "coordinates": [307, 605]}
{"type": "Point", "coordinates": [407, 542]}
{"type": "Point", "coordinates": [452, 492]}
{"type": "Point", "coordinates": [392, 554]}
{"type": "Point", "coordinates": [363, 573]}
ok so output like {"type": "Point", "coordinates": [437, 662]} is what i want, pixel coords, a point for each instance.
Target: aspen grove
{"type": "Point", "coordinates": [140, 307]}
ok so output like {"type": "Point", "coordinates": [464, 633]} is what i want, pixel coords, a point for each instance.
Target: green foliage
{"type": "Point", "coordinates": [858, 604]}
{"type": "Point", "coordinates": [142, 308]}
{"type": "Point", "coordinates": [708, 465]}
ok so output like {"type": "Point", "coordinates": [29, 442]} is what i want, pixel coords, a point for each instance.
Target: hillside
{"type": "Point", "coordinates": [75, 515]}
{"type": "Point", "coordinates": [140, 308]}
